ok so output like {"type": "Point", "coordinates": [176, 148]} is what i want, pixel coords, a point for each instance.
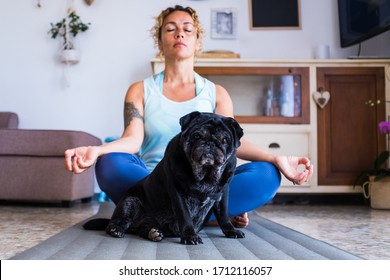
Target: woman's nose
{"type": "Point", "coordinates": [179, 35]}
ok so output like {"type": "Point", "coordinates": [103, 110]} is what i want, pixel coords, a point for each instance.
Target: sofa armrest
{"type": "Point", "coordinates": [8, 120]}
{"type": "Point", "coordinates": [43, 142]}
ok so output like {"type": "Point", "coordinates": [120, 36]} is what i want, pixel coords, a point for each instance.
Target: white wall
{"type": "Point", "coordinates": [116, 52]}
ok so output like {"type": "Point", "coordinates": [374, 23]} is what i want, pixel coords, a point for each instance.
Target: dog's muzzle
{"type": "Point", "coordinates": [207, 159]}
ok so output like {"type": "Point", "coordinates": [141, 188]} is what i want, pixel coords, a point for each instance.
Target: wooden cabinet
{"type": "Point", "coordinates": [265, 94]}
{"type": "Point", "coordinates": [341, 139]}
{"type": "Point", "coordinates": [348, 135]}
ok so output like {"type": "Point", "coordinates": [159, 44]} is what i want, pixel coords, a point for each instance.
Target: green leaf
{"type": "Point", "coordinates": [75, 26]}
{"type": "Point", "coordinates": [381, 159]}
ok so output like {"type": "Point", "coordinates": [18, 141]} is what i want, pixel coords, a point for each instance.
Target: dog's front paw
{"type": "Point", "coordinates": [115, 230]}
{"type": "Point", "coordinates": [191, 240]}
{"type": "Point", "coordinates": [234, 233]}
{"type": "Point", "coordinates": [155, 235]}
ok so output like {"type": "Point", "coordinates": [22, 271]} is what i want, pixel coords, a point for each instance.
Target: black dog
{"type": "Point", "coordinates": [189, 183]}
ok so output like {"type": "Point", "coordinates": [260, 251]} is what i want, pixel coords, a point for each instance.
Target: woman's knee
{"type": "Point", "coordinates": [259, 172]}
{"type": "Point", "coordinates": [104, 161]}
{"type": "Point", "coordinates": [118, 171]}
{"type": "Point", "coordinates": [253, 185]}
{"type": "Point", "coordinates": [107, 165]}
{"type": "Point", "coordinates": [268, 179]}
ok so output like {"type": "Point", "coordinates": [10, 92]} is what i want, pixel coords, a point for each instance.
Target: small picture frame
{"type": "Point", "coordinates": [274, 14]}
{"type": "Point", "coordinates": [224, 23]}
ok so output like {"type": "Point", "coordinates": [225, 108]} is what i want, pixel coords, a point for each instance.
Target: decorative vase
{"type": "Point", "coordinates": [69, 56]}
{"type": "Point", "coordinates": [378, 193]}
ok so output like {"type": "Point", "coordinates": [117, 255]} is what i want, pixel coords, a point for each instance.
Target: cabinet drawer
{"type": "Point", "coordinates": [296, 144]}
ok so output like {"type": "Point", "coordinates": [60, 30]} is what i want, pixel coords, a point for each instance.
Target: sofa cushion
{"type": "Point", "coordinates": [43, 142]}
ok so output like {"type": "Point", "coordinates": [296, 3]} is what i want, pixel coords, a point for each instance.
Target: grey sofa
{"type": "Point", "coordinates": [32, 164]}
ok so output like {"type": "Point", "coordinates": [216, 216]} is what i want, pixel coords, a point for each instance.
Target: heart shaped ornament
{"type": "Point", "coordinates": [321, 98]}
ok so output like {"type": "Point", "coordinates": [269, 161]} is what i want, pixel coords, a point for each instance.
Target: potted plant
{"type": "Point", "coordinates": [68, 28]}
{"type": "Point", "coordinates": [376, 181]}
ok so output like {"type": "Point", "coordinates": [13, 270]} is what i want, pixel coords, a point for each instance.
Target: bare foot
{"type": "Point", "coordinates": [239, 221]}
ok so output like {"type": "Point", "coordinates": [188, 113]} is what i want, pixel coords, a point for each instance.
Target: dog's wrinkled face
{"type": "Point", "coordinates": [209, 140]}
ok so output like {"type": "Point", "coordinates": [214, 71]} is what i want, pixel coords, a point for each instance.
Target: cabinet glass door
{"type": "Point", "coordinates": [264, 95]}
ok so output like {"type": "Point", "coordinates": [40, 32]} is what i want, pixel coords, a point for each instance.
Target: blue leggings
{"type": "Point", "coordinates": [254, 183]}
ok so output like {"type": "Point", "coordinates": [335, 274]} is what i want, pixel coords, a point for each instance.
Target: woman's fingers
{"type": "Point", "coordinates": [69, 154]}
{"type": "Point", "coordinates": [77, 166]}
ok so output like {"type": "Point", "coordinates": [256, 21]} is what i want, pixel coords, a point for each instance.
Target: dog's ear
{"type": "Point", "coordinates": [187, 119]}
{"type": "Point", "coordinates": [236, 129]}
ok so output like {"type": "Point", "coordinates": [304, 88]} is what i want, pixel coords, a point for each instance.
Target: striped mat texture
{"type": "Point", "coordinates": [264, 240]}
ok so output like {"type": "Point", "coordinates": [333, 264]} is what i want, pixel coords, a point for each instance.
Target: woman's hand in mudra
{"type": "Point", "coordinates": [80, 159]}
{"type": "Point", "coordinates": [288, 166]}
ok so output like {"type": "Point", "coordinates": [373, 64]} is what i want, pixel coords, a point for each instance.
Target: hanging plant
{"type": "Point", "coordinates": [70, 25]}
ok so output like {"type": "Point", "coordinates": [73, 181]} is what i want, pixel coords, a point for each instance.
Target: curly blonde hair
{"type": "Point", "coordinates": [159, 21]}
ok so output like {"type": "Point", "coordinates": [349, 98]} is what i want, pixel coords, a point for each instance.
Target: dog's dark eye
{"type": "Point", "coordinates": [225, 141]}
{"type": "Point", "coordinates": [196, 136]}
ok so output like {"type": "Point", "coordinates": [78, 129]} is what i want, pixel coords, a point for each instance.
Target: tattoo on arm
{"type": "Point", "coordinates": [130, 112]}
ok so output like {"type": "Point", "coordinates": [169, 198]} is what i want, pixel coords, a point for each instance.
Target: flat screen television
{"type": "Point", "coordinates": [360, 20]}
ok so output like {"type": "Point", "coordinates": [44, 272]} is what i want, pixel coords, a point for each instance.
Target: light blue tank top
{"type": "Point", "coordinates": [161, 115]}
